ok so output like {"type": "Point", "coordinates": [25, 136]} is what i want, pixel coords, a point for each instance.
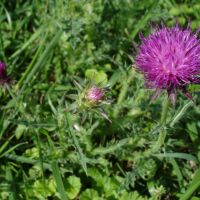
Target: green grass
{"type": "Point", "coordinates": [54, 144]}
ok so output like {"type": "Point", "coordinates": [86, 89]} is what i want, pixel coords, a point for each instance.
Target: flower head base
{"type": "Point", "coordinates": [170, 59]}
{"type": "Point", "coordinates": [3, 75]}
{"type": "Point", "coordinates": [95, 94]}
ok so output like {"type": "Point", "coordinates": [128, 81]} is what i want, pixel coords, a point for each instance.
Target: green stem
{"type": "Point", "coordinates": [163, 121]}
{"type": "Point", "coordinates": [164, 112]}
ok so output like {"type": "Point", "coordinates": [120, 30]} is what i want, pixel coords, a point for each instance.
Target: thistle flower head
{"type": "Point", "coordinates": [170, 59]}
{"type": "Point", "coordinates": [3, 75]}
{"type": "Point", "coordinates": [95, 94]}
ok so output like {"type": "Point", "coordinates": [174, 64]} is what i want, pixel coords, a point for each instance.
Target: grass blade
{"type": "Point", "coordinates": [58, 180]}
{"type": "Point", "coordinates": [42, 59]}
{"type": "Point", "coordinates": [193, 187]}
{"type": "Point", "coordinates": [178, 155]}
{"type": "Point", "coordinates": [9, 176]}
{"type": "Point", "coordinates": [56, 173]}
{"type": "Point", "coordinates": [177, 171]}
{"type": "Point", "coordinates": [26, 160]}
{"type": "Point", "coordinates": [33, 37]}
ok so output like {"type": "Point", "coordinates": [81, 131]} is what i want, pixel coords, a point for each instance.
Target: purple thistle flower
{"type": "Point", "coordinates": [3, 75]}
{"type": "Point", "coordinates": [95, 94]}
{"type": "Point", "coordinates": [170, 59]}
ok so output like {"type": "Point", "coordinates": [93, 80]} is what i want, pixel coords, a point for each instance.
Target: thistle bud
{"type": "Point", "coordinates": [95, 94]}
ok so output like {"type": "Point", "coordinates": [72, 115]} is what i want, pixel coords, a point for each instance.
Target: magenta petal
{"type": "Point", "coordinates": [169, 59]}
{"type": "Point", "coordinates": [95, 94]}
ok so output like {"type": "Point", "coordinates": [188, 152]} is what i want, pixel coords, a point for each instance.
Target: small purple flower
{"type": "Point", "coordinates": [95, 94]}
{"type": "Point", "coordinates": [3, 75]}
{"type": "Point", "coordinates": [169, 58]}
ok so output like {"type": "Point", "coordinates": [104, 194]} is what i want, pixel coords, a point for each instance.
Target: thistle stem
{"type": "Point", "coordinates": [165, 108]}
{"type": "Point", "coordinates": [163, 120]}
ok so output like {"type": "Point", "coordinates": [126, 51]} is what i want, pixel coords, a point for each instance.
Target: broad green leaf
{"type": "Point", "coordinates": [73, 186]}
{"type": "Point", "coordinates": [97, 77]}
{"type": "Point", "coordinates": [90, 194]}
{"type": "Point", "coordinates": [44, 189]}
